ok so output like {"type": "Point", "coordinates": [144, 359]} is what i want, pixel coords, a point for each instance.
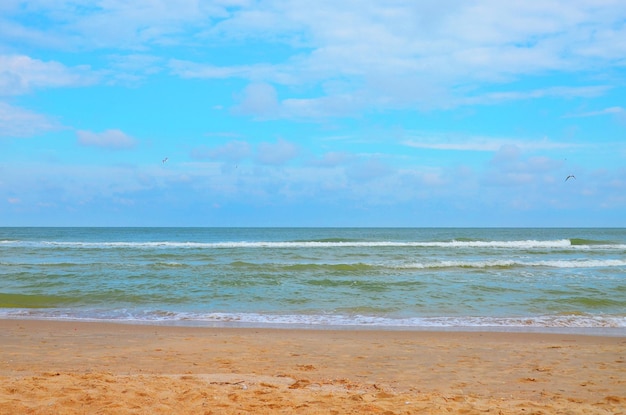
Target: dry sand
{"type": "Point", "coordinates": [97, 368]}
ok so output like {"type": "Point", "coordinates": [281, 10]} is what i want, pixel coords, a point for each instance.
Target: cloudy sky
{"type": "Point", "coordinates": [312, 113]}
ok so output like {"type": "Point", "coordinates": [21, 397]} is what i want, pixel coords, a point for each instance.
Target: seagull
{"type": "Point", "coordinates": [571, 176]}
{"type": "Point", "coordinates": [164, 160]}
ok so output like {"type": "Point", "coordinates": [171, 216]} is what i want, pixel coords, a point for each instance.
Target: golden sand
{"type": "Point", "coordinates": [97, 368]}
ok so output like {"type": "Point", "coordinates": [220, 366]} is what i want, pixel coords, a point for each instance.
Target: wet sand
{"type": "Point", "coordinates": [51, 367]}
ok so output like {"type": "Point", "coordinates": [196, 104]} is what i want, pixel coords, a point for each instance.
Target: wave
{"type": "Point", "coordinates": [329, 240]}
{"type": "Point", "coordinates": [360, 266]}
{"type": "Point", "coordinates": [575, 320]}
{"type": "Point", "coordinates": [563, 321]}
{"type": "Point", "coordinates": [506, 264]}
{"type": "Point", "coordinates": [356, 267]}
{"type": "Point", "coordinates": [85, 265]}
{"type": "Point", "coordinates": [456, 243]}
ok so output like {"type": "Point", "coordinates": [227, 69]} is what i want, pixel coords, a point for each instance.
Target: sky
{"type": "Point", "coordinates": [452, 113]}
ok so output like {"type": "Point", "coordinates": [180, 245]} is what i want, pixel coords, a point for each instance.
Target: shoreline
{"type": "Point", "coordinates": [51, 366]}
{"type": "Point", "coordinates": [582, 331]}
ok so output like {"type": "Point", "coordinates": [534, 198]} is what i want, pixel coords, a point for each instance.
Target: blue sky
{"type": "Point", "coordinates": [324, 113]}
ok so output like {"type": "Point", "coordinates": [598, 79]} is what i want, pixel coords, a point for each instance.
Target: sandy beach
{"type": "Point", "coordinates": [51, 367]}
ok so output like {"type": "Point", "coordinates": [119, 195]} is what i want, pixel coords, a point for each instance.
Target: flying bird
{"type": "Point", "coordinates": [164, 160]}
{"type": "Point", "coordinates": [571, 176]}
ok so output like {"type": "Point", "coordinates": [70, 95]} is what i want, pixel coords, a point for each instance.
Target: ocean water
{"type": "Point", "coordinates": [503, 279]}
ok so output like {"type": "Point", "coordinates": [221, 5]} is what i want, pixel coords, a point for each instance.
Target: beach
{"type": "Point", "coordinates": [56, 367]}
{"type": "Point", "coordinates": [312, 321]}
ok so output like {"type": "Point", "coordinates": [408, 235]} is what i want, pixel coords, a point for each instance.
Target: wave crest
{"type": "Point", "coordinates": [452, 244]}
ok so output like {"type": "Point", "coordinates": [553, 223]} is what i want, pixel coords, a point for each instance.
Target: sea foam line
{"type": "Point", "coordinates": [356, 266]}
{"type": "Point", "coordinates": [522, 244]}
{"type": "Point", "coordinates": [327, 320]}
{"type": "Point", "coordinates": [576, 263]}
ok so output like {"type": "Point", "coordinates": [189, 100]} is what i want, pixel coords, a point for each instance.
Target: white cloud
{"type": "Point", "coordinates": [19, 122]}
{"type": "Point", "coordinates": [368, 170]}
{"type": "Point", "coordinates": [605, 111]}
{"type": "Point", "coordinates": [233, 151]}
{"type": "Point", "coordinates": [286, 73]}
{"type": "Point", "coordinates": [112, 23]}
{"type": "Point", "coordinates": [552, 92]}
{"type": "Point", "coordinates": [186, 69]}
{"type": "Point", "coordinates": [420, 54]}
{"type": "Point", "coordinates": [331, 159]}
{"type": "Point", "coordinates": [133, 68]}
{"type": "Point", "coordinates": [260, 100]}
{"type": "Point", "coordinates": [276, 153]}
{"type": "Point", "coordinates": [20, 74]}
{"type": "Point", "coordinates": [510, 166]}
{"type": "Point", "coordinates": [476, 143]}
{"type": "Point", "coordinates": [111, 139]}
{"type": "Point", "coordinates": [340, 57]}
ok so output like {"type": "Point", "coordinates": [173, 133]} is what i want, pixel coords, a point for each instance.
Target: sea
{"type": "Point", "coordinates": [503, 279]}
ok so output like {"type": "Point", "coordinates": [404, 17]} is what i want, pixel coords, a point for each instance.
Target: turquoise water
{"type": "Point", "coordinates": [409, 278]}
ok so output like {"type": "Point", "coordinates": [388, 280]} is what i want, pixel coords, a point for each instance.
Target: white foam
{"type": "Point", "coordinates": [326, 320]}
{"type": "Point", "coordinates": [521, 244]}
{"type": "Point", "coordinates": [581, 263]}
{"type": "Point", "coordinates": [575, 263]}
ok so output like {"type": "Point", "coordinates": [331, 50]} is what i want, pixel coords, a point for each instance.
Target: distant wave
{"type": "Point", "coordinates": [358, 266]}
{"type": "Point", "coordinates": [582, 263]}
{"type": "Point", "coordinates": [522, 244]}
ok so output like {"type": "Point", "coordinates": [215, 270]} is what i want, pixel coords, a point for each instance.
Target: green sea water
{"type": "Point", "coordinates": [318, 277]}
